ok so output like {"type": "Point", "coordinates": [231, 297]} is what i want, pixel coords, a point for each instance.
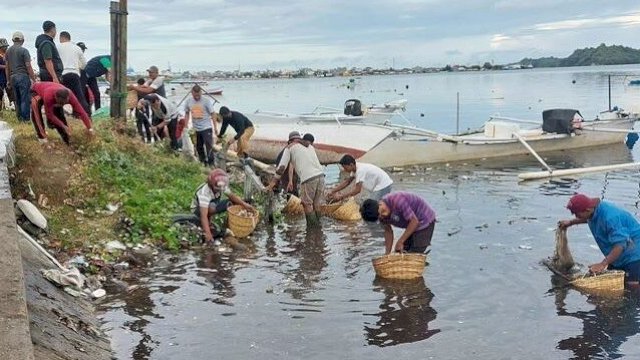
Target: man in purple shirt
{"type": "Point", "coordinates": [404, 210]}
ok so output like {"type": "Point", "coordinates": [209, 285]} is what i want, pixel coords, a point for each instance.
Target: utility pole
{"type": "Point", "coordinates": [118, 11]}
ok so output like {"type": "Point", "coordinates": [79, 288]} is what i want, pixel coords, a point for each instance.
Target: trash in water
{"type": "Point", "coordinates": [525, 247]}
{"type": "Point", "coordinates": [98, 293]}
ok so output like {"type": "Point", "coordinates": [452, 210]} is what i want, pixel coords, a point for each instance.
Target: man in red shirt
{"type": "Point", "coordinates": [53, 97]}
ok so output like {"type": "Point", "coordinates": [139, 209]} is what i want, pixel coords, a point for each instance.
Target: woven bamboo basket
{"type": "Point", "coordinates": [400, 266]}
{"type": "Point", "coordinates": [132, 99]}
{"type": "Point", "coordinates": [349, 211]}
{"type": "Point", "coordinates": [329, 209]}
{"type": "Point", "coordinates": [608, 281]}
{"type": "Point", "coordinates": [293, 206]}
{"type": "Point", "coordinates": [241, 225]}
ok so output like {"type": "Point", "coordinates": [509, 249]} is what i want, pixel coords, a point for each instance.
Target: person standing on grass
{"type": "Point", "coordinates": [406, 211]}
{"type": "Point", "coordinates": [143, 121]}
{"type": "Point", "coordinates": [165, 119]}
{"type": "Point", "coordinates": [212, 198]}
{"type": "Point", "coordinates": [305, 161]}
{"type": "Point", "coordinates": [243, 127]}
{"type": "Point", "coordinates": [73, 61]}
{"type": "Point", "coordinates": [96, 67]}
{"type": "Point", "coordinates": [153, 85]}
{"type": "Point", "coordinates": [20, 75]}
{"type": "Point", "coordinates": [367, 176]}
{"type": "Point", "coordinates": [3, 72]}
{"type": "Point", "coordinates": [53, 97]}
{"type": "Point", "coordinates": [49, 61]}
{"type": "Point", "coordinates": [615, 230]}
{"type": "Point", "coordinates": [201, 111]}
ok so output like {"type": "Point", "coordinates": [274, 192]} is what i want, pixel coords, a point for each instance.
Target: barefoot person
{"type": "Point", "coordinates": [616, 231]}
{"type": "Point", "coordinates": [406, 211]}
{"type": "Point", "coordinates": [367, 176]}
{"type": "Point", "coordinates": [53, 97]}
{"type": "Point", "coordinates": [213, 198]}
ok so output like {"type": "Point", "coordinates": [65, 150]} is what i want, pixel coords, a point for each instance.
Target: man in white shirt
{"type": "Point", "coordinates": [301, 154]}
{"type": "Point", "coordinates": [73, 61]}
{"type": "Point", "coordinates": [367, 176]}
{"type": "Point", "coordinates": [153, 85]}
{"type": "Point", "coordinates": [213, 198]}
{"type": "Point", "coordinates": [165, 119]}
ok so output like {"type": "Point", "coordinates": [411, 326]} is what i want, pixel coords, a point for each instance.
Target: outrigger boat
{"type": "Point", "coordinates": [397, 145]}
{"type": "Point", "coordinates": [352, 112]}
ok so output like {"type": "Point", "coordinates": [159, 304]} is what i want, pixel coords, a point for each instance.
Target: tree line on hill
{"type": "Point", "coordinates": [601, 55]}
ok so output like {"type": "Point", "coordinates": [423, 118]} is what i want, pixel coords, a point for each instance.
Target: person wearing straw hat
{"type": "Point", "coordinates": [615, 230]}
{"type": "Point", "coordinates": [213, 197]}
{"type": "Point", "coordinates": [367, 176]}
{"type": "Point", "coordinates": [406, 211]}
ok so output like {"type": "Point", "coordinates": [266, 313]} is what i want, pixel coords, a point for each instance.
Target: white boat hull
{"type": "Point", "coordinates": [403, 151]}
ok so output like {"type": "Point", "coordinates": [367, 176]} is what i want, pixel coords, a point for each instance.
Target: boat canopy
{"type": "Point", "coordinates": [559, 121]}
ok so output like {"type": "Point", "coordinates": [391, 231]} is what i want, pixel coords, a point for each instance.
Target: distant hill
{"type": "Point", "coordinates": [601, 55]}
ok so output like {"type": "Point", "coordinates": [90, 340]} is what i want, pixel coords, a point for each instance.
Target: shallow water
{"type": "Point", "coordinates": [484, 294]}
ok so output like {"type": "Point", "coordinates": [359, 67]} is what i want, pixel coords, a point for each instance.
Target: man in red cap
{"type": "Point", "coordinates": [616, 231]}
{"type": "Point", "coordinates": [212, 198]}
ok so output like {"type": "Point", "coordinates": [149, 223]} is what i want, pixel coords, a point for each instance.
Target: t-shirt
{"type": "Point", "coordinates": [238, 122]}
{"type": "Point", "coordinates": [201, 111]}
{"type": "Point", "coordinates": [372, 177]}
{"type": "Point", "coordinates": [405, 206]}
{"type": "Point", "coordinates": [205, 195]}
{"type": "Point", "coordinates": [304, 160]}
{"type": "Point", "coordinates": [72, 58]}
{"type": "Point", "coordinates": [47, 92]}
{"type": "Point", "coordinates": [98, 66]}
{"type": "Point", "coordinates": [18, 58]}
{"type": "Point", "coordinates": [157, 84]}
{"type": "Point", "coordinates": [610, 226]}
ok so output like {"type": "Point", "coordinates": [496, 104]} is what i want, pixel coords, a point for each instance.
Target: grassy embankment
{"type": "Point", "coordinates": [75, 184]}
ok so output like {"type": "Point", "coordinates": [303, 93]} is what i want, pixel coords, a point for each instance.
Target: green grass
{"type": "Point", "coordinates": [150, 183]}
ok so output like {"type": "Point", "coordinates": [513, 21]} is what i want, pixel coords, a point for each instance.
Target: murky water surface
{"type": "Point", "coordinates": [484, 295]}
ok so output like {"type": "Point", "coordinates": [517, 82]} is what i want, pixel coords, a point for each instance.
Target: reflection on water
{"type": "Point", "coordinates": [404, 315]}
{"type": "Point", "coordinates": [295, 294]}
{"type": "Point", "coordinates": [610, 322]}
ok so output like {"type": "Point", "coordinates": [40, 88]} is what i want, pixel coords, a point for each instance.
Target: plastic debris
{"type": "Point", "coordinates": [32, 213]}
{"type": "Point", "coordinates": [98, 293]}
{"type": "Point", "coordinates": [525, 247]}
{"type": "Point", "coordinates": [114, 245]}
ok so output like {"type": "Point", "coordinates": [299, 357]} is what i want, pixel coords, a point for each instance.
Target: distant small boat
{"type": "Point", "coordinates": [634, 82]}
{"type": "Point", "coordinates": [214, 91]}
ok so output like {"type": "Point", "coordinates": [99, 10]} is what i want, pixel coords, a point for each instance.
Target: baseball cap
{"type": "Point", "coordinates": [47, 25]}
{"type": "Point", "coordinates": [18, 35]}
{"type": "Point", "coordinates": [3, 43]}
{"type": "Point", "coordinates": [153, 68]}
{"type": "Point", "coordinates": [294, 135]}
{"type": "Point", "coordinates": [82, 46]}
{"type": "Point", "coordinates": [580, 203]}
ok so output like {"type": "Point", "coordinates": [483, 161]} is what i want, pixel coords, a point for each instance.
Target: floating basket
{"type": "Point", "coordinates": [241, 222]}
{"type": "Point", "coordinates": [294, 206]}
{"type": "Point", "coordinates": [608, 281]}
{"type": "Point", "coordinates": [329, 209]}
{"type": "Point", "coordinates": [348, 211]}
{"type": "Point", "coordinates": [400, 266]}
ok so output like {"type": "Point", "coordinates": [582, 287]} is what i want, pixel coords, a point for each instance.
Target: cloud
{"type": "Point", "coordinates": [629, 20]}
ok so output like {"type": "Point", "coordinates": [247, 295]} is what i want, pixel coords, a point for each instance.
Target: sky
{"type": "Point", "coordinates": [265, 34]}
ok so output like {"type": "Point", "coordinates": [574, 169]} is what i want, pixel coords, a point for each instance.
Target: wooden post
{"type": "Point", "coordinates": [118, 11]}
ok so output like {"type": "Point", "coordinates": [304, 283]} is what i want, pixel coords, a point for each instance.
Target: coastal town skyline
{"type": "Point", "coordinates": [327, 34]}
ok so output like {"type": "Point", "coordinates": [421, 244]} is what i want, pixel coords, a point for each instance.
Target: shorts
{"type": "Point", "coordinates": [631, 270]}
{"type": "Point", "coordinates": [312, 192]}
{"type": "Point", "coordinates": [215, 207]}
{"type": "Point", "coordinates": [420, 240]}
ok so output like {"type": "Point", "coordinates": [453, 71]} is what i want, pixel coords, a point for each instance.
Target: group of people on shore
{"type": "Point", "coordinates": [64, 77]}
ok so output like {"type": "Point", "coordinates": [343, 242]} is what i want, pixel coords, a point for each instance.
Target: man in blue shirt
{"type": "Point", "coordinates": [616, 231]}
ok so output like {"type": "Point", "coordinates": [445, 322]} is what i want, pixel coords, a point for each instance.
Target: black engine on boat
{"type": "Point", "coordinates": [353, 107]}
